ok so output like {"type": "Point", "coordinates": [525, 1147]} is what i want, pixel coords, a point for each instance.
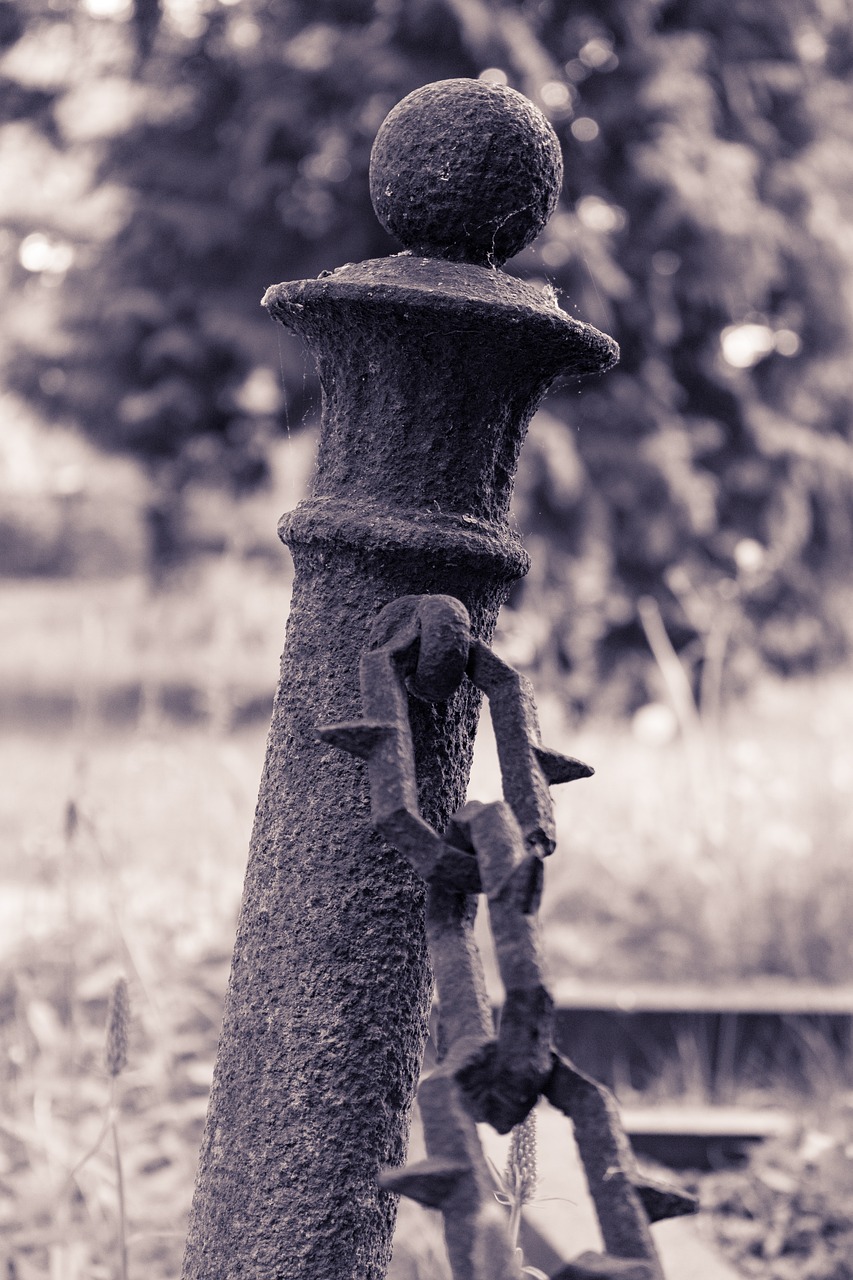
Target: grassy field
{"type": "Point", "coordinates": [718, 857]}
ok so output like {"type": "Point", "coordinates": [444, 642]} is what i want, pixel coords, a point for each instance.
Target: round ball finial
{"type": "Point", "coordinates": [465, 170]}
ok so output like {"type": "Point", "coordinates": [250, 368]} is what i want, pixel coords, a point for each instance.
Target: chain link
{"type": "Point", "coordinates": [422, 645]}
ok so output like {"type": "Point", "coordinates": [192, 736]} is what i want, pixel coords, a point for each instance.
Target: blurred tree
{"type": "Point", "coordinates": [704, 230]}
{"type": "Point", "coordinates": [217, 147]}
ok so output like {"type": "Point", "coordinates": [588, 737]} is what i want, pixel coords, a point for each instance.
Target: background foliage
{"type": "Point", "coordinates": [165, 161]}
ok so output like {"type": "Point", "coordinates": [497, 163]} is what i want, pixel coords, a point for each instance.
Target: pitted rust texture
{"type": "Point", "coordinates": [428, 162]}
{"type": "Point", "coordinates": [423, 645]}
{"type": "Point", "coordinates": [465, 355]}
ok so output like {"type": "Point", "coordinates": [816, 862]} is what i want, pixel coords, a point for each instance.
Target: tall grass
{"type": "Point", "coordinates": [722, 862]}
{"type": "Point", "coordinates": [160, 827]}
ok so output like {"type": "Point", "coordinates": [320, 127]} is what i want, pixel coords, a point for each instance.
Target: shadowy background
{"type": "Point", "coordinates": [687, 622]}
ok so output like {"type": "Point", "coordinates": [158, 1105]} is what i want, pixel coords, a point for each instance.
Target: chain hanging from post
{"type": "Point", "coordinates": [423, 645]}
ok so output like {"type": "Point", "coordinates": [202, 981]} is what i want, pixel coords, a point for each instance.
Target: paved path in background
{"type": "Point", "coordinates": [566, 1218]}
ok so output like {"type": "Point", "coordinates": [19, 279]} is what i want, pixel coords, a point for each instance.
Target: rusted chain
{"type": "Point", "coordinates": [423, 645]}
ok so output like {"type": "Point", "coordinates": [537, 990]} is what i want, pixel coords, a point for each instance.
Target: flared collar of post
{"type": "Point", "coordinates": [453, 289]}
{"type": "Point", "coordinates": [465, 174]}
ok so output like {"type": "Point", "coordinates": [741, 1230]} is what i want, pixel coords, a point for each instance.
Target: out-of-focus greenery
{"type": "Point", "coordinates": [163, 163]}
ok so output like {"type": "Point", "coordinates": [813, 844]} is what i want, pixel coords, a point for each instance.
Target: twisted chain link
{"type": "Point", "coordinates": [422, 645]}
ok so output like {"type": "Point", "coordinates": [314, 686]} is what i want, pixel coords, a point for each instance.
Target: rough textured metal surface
{"type": "Point", "coordinates": [607, 1158]}
{"type": "Point", "coordinates": [485, 1075]}
{"type": "Point", "coordinates": [465, 170]}
{"type": "Point", "coordinates": [526, 767]}
{"type": "Point", "coordinates": [429, 379]}
{"type": "Point", "coordinates": [430, 371]}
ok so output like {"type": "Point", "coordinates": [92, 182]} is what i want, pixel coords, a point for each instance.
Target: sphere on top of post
{"type": "Point", "coordinates": [466, 171]}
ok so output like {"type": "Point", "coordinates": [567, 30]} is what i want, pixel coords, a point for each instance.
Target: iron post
{"type": "Point", "coordinates": [431, 365]}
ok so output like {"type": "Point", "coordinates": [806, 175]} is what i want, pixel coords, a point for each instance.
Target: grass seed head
{"type": "Point", "coordinates": [118, 1022]}
{"type": "Point", "coordinates": [520, 1178]}
{"type": "Point", "coordinates": [72, 820]}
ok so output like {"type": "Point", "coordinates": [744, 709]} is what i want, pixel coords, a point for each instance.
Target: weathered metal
{"type": "Point", "coordinates": [430, 371]}
{"type": "Point", "coordinates": [477, 184]}
{"type": "Point", "coordinates": [497, 850]}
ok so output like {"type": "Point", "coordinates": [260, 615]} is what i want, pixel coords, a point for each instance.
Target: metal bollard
{"type": "Point", "coordinates": [431, 364]}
